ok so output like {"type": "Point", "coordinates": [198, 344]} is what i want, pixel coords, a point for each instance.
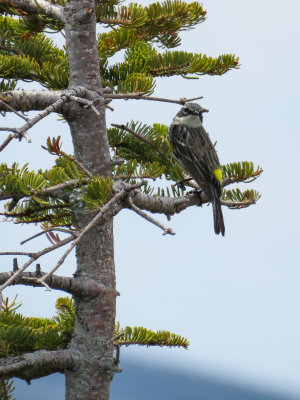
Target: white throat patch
{"type": "Point", "coordinates": [190, 120]}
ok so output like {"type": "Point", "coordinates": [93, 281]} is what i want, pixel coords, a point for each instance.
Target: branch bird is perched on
{"type": "Point", "coordinates": [195, 153]}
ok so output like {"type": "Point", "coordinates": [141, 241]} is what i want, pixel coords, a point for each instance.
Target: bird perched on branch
{"type": "Point", "coordinates": [195, 153]}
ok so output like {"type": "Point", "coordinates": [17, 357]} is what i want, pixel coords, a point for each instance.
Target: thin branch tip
{"type": "Point", "coordinates": [140, 96]}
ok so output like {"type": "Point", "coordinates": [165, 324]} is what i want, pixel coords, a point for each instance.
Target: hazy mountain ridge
{"type": "Point", "coordinates": [143, 382]}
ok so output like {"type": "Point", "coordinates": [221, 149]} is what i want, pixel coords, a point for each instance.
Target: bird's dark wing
{"type": "Point", "coordinates": [190, 148]}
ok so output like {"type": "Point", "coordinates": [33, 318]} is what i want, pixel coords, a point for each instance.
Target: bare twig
{"type": "Point", "coordinates": [33, 257]}
{"type": "Point", "coordinates": [7, 128]}
{"type": "Point", "coordinates": [118, 177]}
{"type": "Point", "coordinates": [117, 161]}
{"type": "Point", "coordinates": [167, 231]}
{"type": "Point", "coordinates": [7, 141]}
{"type": "Point", "coordinates": [40, 99]}
{"type": "Point", "coordinates": [102, 213]}
{"type": "Point", "coordinates": [22, 131]}
{"type": "Point", "coordinates": [139, 96]}
{"type": "Point", "coordinates": [6, 196]}
{"type": "Point", "coordinates": [46, 231]}
{"type": "Point", "coordinates": [13, 110]}
{"type": "Point", "coordinates": [87, 103]}
{"type": "Point", "coordinates": [61, 186]}
{"type": "Point", "coordinates": [16, 253]}
{"type": "Point", "coordinates": [142, 138]}
{"type": "Point", "coordinates": [9, 49]}
{"type": "Point", "coordinates": [185, 100]}
{"type": "Point", "coordinates": [65, 96]}
{"type": "Point", "coordinates": [48, 289]}
{"type": "Point", "coordinates": [56, 105]}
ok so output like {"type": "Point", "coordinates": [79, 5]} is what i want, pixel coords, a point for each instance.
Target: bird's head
{"type": "Point", "coordinates": [190, 114]}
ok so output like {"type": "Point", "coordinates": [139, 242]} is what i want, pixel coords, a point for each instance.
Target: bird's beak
{"type": "Point", "coordinates": [204, 110]}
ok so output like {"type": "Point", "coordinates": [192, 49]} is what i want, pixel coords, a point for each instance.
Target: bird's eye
{"type": "Point", "coordinates": [185, 111]}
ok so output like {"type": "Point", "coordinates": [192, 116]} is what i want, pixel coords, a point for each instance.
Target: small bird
{"type": "Point", "coordinates": [195, 153]}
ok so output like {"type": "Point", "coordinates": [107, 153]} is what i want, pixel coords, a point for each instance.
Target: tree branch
{"type": "Point", "coordinates": [43, 232]}
{"type": "Point", "coordinates": [37, 7]}
{"type": "Point", "coordinates": [33, 257]}
{"type": "Point", "coordinates": [9, 49]}
{"type": "Point", "coordinates": [79, 287]}
{"type": "Point", "coordinates": [8, 107]}
{"type": "Point", "coordinates": [56, 106]}
{"type": "Point", "coordinates": [53, 189]}
{"type": "Point", "coordinates": [22, 131]}
{"type": "Point", "coordinates": [31, 100]}
{"type": "Point", "coordinates": [143, 139]}
{"type": "Point", "coordinates": [35, 365]}
{"type": "Point", "coordinates": [238, 204]}
{"type": "Point", "coordinates": [104, 212]}
{"type": "Point", "coordinates": [167, 205]}
{"type": "Point", "coordinates": [170, 206]}
{"type": "Point", "coordinates": [139, 96]}
{"type": "Point", "coordinates": [167, 231]}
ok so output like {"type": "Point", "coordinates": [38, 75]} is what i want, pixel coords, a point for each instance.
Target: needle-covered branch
{"type": "Point", "coordinates": [142, 138]}
{"type": "Point", "coordinates": [141, 336]}
{"type": "Point", "coordinates": [167, 231]}
{"type": "Point", "coordinates": [103, 214]}
{"type": "Point", "coordinates": [35, 365]}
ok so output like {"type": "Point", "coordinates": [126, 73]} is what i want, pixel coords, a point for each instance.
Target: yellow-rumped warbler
{"type": "Point", "coordinates": [195, 153]}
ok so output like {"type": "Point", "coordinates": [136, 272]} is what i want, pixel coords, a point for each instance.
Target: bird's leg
{"type": "Point", "coordinates": [199, 194]}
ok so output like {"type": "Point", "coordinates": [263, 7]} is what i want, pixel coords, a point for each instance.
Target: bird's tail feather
{"type": "Point", "coordinates": [218, 217]}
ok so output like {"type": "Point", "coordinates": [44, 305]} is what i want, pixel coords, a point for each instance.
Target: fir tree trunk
{"type": "Point", "coordinates": [94, 329]}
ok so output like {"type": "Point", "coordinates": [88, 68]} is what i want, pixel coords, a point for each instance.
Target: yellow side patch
{"type": "Point", "coordinates": [218, 175]}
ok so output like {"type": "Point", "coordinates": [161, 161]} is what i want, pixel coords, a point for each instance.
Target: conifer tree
{"type": "Point", "coordinates": [74, 202]}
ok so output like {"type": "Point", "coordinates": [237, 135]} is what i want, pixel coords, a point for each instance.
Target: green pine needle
{"type": "Point", "coordinates": [243, 199]}
{"type": "Point", "coordinates": [20, 334]}
{"type": "Point", "coordinates": [241, 172]}
{"type": "Point", "coordinates": [141, 336]}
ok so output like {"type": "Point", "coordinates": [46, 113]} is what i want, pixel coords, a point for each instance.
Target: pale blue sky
{"type": "Point", "coordinates": [236, 298]}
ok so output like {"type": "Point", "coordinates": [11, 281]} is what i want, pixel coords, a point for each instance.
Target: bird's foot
{"type": "Point", "coordinates": [198, 192]}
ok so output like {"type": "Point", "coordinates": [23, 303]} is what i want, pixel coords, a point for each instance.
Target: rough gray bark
{"type": "Point", "coordinates": [80, 287]}
{"type": "Point", "coordinates": [95, 318]}
{"type": "Point", "coordinates": [43, 6]}
{"type": "Point", "coordinates": [37, 364]}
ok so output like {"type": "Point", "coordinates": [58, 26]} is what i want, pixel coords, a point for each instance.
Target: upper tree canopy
{"type": "Point", "coordinates": [28, 54]}
{"type": "Point", "coordinates": [149, 36]}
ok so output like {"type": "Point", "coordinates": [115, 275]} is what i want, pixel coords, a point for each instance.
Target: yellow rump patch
{"type": "Point", "coordinates": [218, 175]}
